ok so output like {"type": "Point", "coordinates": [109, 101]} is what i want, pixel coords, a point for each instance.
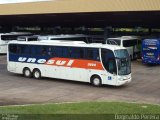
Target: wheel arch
{"type": "Point", "coordinates": [35, 69]}
{"type": "Point", "coordinates": [25, 68]}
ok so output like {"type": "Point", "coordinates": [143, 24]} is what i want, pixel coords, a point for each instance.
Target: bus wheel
{"type": "Point", "coordinates": [37, 73]}
{"type": "Point", "coordinates": [96, 81]}
{"type": "Point", "coordinates": [27, 72]}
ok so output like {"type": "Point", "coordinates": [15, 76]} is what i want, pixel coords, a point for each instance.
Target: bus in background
{"type": "Point", "coordinates": [27, 38]}
{"type": "Point", "coordinates": [6, 37]}
{"type": "Point", "coordinates": [74, 37]}
{"type": "Point", "coordinates": [67, 37]}
{"type": "Point", "coordinates": [151, 51]}
{"type": "Point", "coordinates": [131, 43]}
{"type": "Point", "coordinates": [70, 60]}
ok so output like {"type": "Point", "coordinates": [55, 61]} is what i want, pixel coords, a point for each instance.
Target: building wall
{"type": "Point", "coordinates": [74, 6]}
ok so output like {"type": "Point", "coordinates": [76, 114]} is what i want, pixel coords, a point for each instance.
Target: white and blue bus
{"type": "Point", "coordinates": [151, 51]}
{"type": "Point", "coordinates": [70, 60]}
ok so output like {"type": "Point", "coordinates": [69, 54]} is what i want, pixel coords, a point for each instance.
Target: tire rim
{"type": "Point", "coordinates": [37, 74]}
{"type": "Point", "coordinates": [96, 81]}
{"type": "Point", "coordinates": [27, 73]}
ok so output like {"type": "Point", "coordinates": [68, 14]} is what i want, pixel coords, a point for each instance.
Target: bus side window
{"type": "Point", "coordinates": [43, 51]}
{"type": "Point", "coordinates": [65, 52]}
{"type": "Point", "coordinates": [17, 49]}
{"type": "Point", "coordinates": [76, 52]}
{"type": "Point", "coordinates": [21, 49]}
{"type": "Point", "coordinates": [58, 52]}
{"type": "Point", "coordinates": [12, 48]}
{"type": "Point", "coordinates": [81, 52]}
{"type": "Point", "coordinates": [32, 50]}
{"type": "Point", "coordinates": [92, 54]}
{"type": "Point", "coordinates": [51, 51]}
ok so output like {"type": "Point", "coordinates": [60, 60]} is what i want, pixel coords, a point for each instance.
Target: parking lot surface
{"type": "Point", "coordinates": [16, 89]}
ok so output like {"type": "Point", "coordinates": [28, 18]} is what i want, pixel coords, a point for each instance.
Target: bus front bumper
{"type": "Point", "coordinates": [124, 81]}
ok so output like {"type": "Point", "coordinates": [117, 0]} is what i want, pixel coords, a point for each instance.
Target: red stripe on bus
{"type": "Point", "coordinates": [75, 63]}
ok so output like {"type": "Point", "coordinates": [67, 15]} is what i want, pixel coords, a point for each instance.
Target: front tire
{"type": "Point", "coordinates": [27, 72]}
{"type": "Point", "coordinates": [37, 74]}
{"type": "Point", "coordinates": [96, 81]}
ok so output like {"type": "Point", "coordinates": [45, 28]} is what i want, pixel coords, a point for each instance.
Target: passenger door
{"type": "Point", "coordinates": [109, 64]}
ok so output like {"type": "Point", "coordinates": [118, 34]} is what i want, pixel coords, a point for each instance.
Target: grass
{"type": "Point", "coordinates": [78, 110]}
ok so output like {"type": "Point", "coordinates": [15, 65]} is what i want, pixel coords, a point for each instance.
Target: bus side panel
{"type": "Point", "coordinates": [109, 79]}
{"type": "Point", "coordinates": [68, 73]}
{"type": "Point", "coordinates": [77, 74]}
{"type": "Point", "coordinates": [11, 66]}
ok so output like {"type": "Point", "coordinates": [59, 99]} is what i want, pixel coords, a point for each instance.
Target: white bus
{"type": "Point", "coordinates": [6, 37]}
{"type": "Point", "coordinates": [94, 63]}
{"type": "Point", "coordinates": [67, 37]}
{"type": "Point", "coordinates": [74, 37]}
{"type": "Point", "coordinates": [131, 43]}
{"type": "Point", "coordinates": [27, 38]}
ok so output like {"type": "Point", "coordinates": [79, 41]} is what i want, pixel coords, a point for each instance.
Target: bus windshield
{"type": "Point", "coordinates": [123, 62]}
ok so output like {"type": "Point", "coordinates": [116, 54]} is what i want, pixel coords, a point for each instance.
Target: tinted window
{"type": "Point", "coordinates": [9, 37]}
{"type": "Point", "coordinates": [12, 48]}
{"type": "Point", "coordinates": [58, 51]}
{"type": "Point", "coordinates": [33, 50]}
{"type": "Point", "coordinates": [32, 39]}
{"type": "Point", "coordinates": [62, 52]}
{"type": "Point", "coordinates": [129, 43]}
{"type": "Point", "coordinates": [18, 49]}
{"type": "Point", "coordinates": [51, 51]}
{"type": "Point", "coordinates": [65, 52]}
{"type": "Point", "coordinates": [76, 52]}
{"type": "Point", "coordinates": [92, 53]}
{"type": "Point", "coordinates": [21, 49]}
{"type": "Point", "coordinates": [108, 60]}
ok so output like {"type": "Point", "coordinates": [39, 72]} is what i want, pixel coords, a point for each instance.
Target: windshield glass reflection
{"type": "Point", "coordinates": [108, 60]}
{"type": "Point", "coordinates": [123, 62]}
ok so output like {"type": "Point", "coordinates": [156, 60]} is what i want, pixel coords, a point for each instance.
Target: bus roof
{"type": "Point", "coordinates": [16, 33]}
{"type": "Point", "coordinates": [25, 36]}
{"type": "Point", "coordinates": [68, 43]}
{"type": "Point", "coordinates": [125, 38]}
{"type": "Point", "coordinates": [61, 36]}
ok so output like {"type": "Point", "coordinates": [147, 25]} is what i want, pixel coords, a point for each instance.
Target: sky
{"type": "Point", "coordinates": [18, 1]}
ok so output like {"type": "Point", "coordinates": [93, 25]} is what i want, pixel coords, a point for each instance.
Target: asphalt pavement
{"type": "Point", "coordinates": [16, 89]}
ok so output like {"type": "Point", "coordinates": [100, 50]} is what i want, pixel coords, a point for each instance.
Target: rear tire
{"type": "Point", "coordinates": [37, 74]}
{"type": "Point", "coordinates": [96, 81]}
{"type": "Point", "coordinates": [27, 72]}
